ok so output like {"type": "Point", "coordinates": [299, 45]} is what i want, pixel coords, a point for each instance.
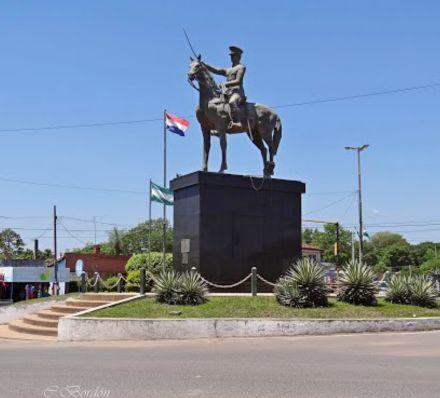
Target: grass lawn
{"type": "Point", "coordinates": [259, 307]}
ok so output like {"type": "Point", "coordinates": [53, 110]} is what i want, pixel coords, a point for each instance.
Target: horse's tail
{"type": "Point", "coordinates": [277, 134]}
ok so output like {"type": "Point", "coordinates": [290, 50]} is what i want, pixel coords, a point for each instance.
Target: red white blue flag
{"type": "Point", "coordinates": [176, 124]}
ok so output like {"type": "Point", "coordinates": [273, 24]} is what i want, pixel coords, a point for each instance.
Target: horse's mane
{"type": "Point", "coordinates": [209, 79]}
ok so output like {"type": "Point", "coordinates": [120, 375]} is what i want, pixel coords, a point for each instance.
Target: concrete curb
{"type": "Point", "coordinates": [106, 329]}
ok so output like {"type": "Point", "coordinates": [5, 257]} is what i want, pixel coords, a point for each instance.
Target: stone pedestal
{"type": "Point", "coordinates": [226, 224]}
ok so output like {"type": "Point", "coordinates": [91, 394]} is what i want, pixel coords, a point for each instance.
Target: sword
{"type": "Point", "coordinates": [189, 43]}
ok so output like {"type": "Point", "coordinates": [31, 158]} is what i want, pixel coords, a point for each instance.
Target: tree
{"type": "Point", "coordinates": [11, 244]}
{"type": "Point", "coordinates": [325, 240]}
{"type": "Point", "coordinates": [116, 242]}
{"type": "Point", "coordinates": [137, 238]}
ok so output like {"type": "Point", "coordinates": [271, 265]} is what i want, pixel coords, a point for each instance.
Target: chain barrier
{"type": "Point", "coordinates": [111, 286]}
{"type": "Point", "coordinates": [265, 280]}
{"type": "Point", "coordinates": [225, 286]}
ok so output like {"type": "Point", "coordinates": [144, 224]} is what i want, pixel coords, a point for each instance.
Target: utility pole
{"type": "Point", "coordinates": [55, 249]}
{"type": "Point", "coordinates": [358, 150]}
{"type": "Point", "coordinates": [94, 224]}
{"type": "Point", "coordinates": [164, 184]}
{"type": "Point", "coordinates": [352, 247]}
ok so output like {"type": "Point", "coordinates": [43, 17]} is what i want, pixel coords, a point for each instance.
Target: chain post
{"type": "Point", "coordinates": [142, 284]}
{"type": "Point", "coordinates": [83, 285]}
{"type": "Point", "coordinates": [119, 287]}
{"type": "Point", "coordinates": [96, 287]}
{"type": "Point", "coordinates": [254, 281]}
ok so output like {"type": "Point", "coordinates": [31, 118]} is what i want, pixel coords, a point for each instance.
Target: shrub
{"type": "Point", "coordinates": [167, 287]}
{"type": "Point", "coordinates": [185, 289]}
{"type": "Point", "coordinates": [357, 285]}
{"type": "Point", "coordinates": [110, 281]}
{"type": "Point", "coordinates": [192, 289]}
{"type": "Point", "coordinates": [137, 261]}
{"type": "Point", "coordinates": [399, 290]}
{"type": "Point", "coordinates": [152, 268]}
{"type": "Point", "coordinates": [303, 286]}
{"type": "Point", "coordinates": [288, 294]}
{"type": "Point", "coordinates": [133, 281]}
{"type": "Point", "coordinates": [423, 292]}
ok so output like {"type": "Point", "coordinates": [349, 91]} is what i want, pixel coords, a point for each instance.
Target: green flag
{"type": "Point", "coordinates": [161, 194]}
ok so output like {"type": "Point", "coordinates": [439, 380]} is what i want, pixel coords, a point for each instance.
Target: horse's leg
{"type": "Point", "coordinates": [267, 137]}
{"type": "Point", "coordinates": [223, 146]}
{"type": "Point", "coordinates": [258, 142]}
{"type": "Point", "coordinates": [206, 147]}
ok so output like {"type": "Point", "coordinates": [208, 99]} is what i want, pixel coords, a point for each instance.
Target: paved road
{"type": "Point", "coordinates": [375, 365]}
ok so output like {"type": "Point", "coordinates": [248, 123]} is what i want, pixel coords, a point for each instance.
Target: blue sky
{"type": "Point", "coordinates": [97, 61]}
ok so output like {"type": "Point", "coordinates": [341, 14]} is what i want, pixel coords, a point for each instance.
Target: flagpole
{"type": "Point", "coordinates": [149, 225]}
{"type": "Point", "coordinates": [164, 182]}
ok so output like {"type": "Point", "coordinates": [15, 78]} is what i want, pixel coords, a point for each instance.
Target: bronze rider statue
{"type": "Point", "coordinates": [233, 85]}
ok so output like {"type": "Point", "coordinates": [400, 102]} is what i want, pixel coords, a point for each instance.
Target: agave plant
{"type": "Point", "coordinates": [167, 287]}
{"type": "Point", "coordinates": [399, 289]}
{"type": "Point", "coordinates": [303, 286]}
{"type": "Point", "coordinates": [192, 289]}
{"type": "Point", "coordinates": [288, 294]}
{"type": "Point", "coordinates": [357, 285]}
{"type": "Point", "coordinates": [423, 292]}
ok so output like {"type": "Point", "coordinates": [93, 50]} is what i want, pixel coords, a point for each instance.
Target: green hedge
{"type": "Point", "coordinates": [138, 261]}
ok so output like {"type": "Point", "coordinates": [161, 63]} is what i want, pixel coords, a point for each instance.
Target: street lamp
{"type": "Point", "coordinates": [358, 150]}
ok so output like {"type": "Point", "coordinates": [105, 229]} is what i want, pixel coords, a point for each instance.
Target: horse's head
{"type": "Point", "coordinates": [195, 68]}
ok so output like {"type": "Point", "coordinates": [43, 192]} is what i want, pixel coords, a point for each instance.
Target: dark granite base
{"type": "Point", "coordinates": [226, 224]}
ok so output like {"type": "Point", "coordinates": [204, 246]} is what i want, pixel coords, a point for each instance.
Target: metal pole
{"type": "Point", "coordinates": [94, 223]}
{"type": "Point", "coordinates": [55, 250]}
{"type": "Point", "coordinates": [337, 250]}
{"type": "Point", "coordinates": [149, 225]}
{"type": "Point", "coordinates": [352, 246]}
{"type": "Point", "coordinates": [361, 229]}
{"type": "Point", "coordinates": [164, 182]}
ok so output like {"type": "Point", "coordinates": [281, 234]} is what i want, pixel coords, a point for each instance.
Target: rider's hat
{"type": "Point", "coordinates": [235, 50]}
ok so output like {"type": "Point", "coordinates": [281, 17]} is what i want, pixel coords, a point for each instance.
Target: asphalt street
{"type": "Point", "coordinates": [369, 365]}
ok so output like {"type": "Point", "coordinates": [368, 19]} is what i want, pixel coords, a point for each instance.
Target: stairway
{"type": "Point", "coordinates": [45, 322]}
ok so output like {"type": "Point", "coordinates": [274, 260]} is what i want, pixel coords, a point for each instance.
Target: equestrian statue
{"type": "Point", "coordinates": [223, 109]}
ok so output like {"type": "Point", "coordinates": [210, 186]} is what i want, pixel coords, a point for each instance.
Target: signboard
{"type": "Point", "coordinates": [185, 245]}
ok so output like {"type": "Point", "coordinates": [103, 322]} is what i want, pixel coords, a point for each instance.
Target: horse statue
{"type": "Point", "coordinates": [259, 122]}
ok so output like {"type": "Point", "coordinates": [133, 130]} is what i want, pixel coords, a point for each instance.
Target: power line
{"type": "Point", "coordinates": [358, 96]}
{"type": "Point", "coordinates": [158, 119]}
{"type": "Point", "coordinates": [80, 125]}
{"type": "Point", "coordinates": [63, 186]}
{"type": "Point", "coordinates": [329, 205]}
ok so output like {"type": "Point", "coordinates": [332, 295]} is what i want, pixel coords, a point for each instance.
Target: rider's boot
{"type": "Point", "coordinates": [235, 123]}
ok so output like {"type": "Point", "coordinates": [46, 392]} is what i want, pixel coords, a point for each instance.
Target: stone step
{"type": "Point", "coordinates": [106, 296]}
{"type": "Point", "coordinates": [86, 303]}
{"type": "Point", "coordinates": [34, 319]}
{"type": "Point", "coordinates": [49, 314]}
{"type": "Point", "coordinates": [66, 309]}
{"type": "Point", "coordinates": [22, 327]}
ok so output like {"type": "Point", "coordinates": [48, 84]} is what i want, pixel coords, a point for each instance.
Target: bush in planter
{"type": "Point", "coordinates": [356, 285]}
{"type": "Point", "coordinates": [288, 294]}
{"type": "Point", "coordinates": [174, 288]}
{"type": "Point", "coordinates": [423, 292]}
{"type": "Point", "coordinates": [193, 290]}
{"type": "Point", "coordinates": [399, 290]}
{"type": "Point", "coordinates": [166, 286]}
{"type": "Point", "coordinates": [303, 285]}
